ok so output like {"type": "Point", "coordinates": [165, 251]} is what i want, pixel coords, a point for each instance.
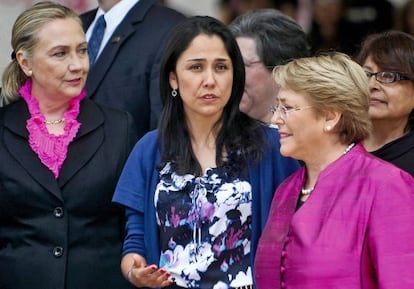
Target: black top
{"type": "Point", "coordinates": [399, 152]}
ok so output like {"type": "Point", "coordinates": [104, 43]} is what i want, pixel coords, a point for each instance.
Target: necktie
{"type": "Point", "coordinates": [96, 39]}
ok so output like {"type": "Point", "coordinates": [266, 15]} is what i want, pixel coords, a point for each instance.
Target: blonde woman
{"type": "Point", "coordinates": [344, 220]}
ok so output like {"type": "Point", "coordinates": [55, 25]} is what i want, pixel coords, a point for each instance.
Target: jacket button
{"type": "Point", "coordinates": [58, 212]}
{"type": "Point", "coordinates": [58, 252]}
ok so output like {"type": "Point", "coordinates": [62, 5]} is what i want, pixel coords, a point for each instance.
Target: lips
{"type": "Point", "coordinates": [283, 134]}
{"type": "Point", "coordinates": [209, 96]}
{"type": "Point", "coordinates": [374, 101]}
{"type": "Point", "coordinates": [74, 81]}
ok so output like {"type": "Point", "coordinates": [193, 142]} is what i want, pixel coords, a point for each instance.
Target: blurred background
{"type": "Point", "coordinates": [330, 24]}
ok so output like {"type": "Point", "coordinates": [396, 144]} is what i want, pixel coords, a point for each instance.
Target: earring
{"type": "Point", "coordinates": [174, 92]}
{"type": "Point", "coordinates": [327, 128]}
{"type": "Point", "coordinates": [29, 73]}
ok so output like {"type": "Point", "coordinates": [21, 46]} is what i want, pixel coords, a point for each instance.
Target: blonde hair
{"type": "Point", "coordinates": [24, 38]}
{"type": "Point", "coordinates": [332, 81]}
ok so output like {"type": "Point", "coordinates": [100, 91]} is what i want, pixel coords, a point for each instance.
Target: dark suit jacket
{"type": "Point", "coordinates": [126, 74]}
{"type": "Point", "coordinates": [63, 233]}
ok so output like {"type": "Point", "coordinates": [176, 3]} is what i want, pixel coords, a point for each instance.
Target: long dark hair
{"type": "Point", "coordinates": [237, 132]}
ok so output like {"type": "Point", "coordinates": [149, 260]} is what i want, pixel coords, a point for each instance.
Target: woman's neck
{"type": "Point", "coordinates": [322, 159]}
{"type": "Point", "coordinates": [384, 132]}
{"type": "Point", "coordinates": [203, 136]}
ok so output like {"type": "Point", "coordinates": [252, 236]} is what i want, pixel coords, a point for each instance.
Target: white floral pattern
{"type": "Point", "coordinates": [205, 228]}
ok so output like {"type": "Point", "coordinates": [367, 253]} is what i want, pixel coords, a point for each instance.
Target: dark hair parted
{"type": "Point", "coordinates": [237, 134]}
{"type": "Point", "coordinates": [391, 51]}
{"type": "Point", "coordinates": [278, 37]}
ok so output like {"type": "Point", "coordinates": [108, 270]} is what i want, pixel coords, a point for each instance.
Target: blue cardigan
{"type": "Point", "coordinates": [138, 181]}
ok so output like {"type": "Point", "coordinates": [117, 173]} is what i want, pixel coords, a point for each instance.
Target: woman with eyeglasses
{"type": "Point", "coordinates": [388, 60]}
{"type": "Point", "coordinates": [345, 219]}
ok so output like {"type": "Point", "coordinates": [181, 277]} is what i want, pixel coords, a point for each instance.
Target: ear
{"type": "Point", "coordinates": [24, 63]}
{"type": "Point", "coordinates": [173, 80]}
{"type": "Point", "coordinates": [332, 118]}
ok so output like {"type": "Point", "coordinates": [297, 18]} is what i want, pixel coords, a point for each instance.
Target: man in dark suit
{"type": "Point", "coordinates": [125, 74]}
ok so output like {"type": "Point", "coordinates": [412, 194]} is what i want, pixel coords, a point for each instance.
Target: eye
{"type": "Point", "coordinates": [196, 67]}
{"type": "Point", "coordinates": [221, 67]}
{"type": "Point", "coordinates": [83, 50]}
{"type": "Point", "coordinates": [286, 108]}
{"type": "Point", "coordinates": [59, 54]}
{"type": "Point", "coordinates": [387, 76]}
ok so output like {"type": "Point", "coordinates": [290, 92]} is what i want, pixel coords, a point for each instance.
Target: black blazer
{"type": "Point", "coordinates": [126, 74]}
{"type": "Point", "coordinates": [63, 233]}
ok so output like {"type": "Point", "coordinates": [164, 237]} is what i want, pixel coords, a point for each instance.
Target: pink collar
{"type": "Point", "coordinates": [51, 149]}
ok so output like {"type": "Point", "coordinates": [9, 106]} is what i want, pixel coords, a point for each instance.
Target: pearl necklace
{"type": "Point", "coordinates": [348, 148]}
{"type": "Point", "coordinates": [53, 122]}
{"type": "Point", "coordinates": [306, 192]}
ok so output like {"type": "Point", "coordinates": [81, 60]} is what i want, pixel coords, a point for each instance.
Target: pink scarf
{"type": "Point", "coordinates": [51, 149]}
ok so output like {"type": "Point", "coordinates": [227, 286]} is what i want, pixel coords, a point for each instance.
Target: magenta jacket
{"type": "Point", "coordinates": [355, 231]}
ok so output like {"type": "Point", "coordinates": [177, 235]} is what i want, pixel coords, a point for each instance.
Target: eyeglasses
{"type": "Point", "coordinates": [387, 76]}
{"type": "Point", "coordinates": [284, 111]}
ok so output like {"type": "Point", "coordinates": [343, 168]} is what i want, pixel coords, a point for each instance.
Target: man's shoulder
{"type": "Point", "coordinates": [157, 12]}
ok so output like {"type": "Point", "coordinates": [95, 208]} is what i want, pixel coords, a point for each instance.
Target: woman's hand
{"type": "Point", "coordinates": [138, 273]}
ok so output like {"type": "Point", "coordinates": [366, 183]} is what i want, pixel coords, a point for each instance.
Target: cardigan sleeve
{"type": "Point", "coordinates": [134, 191]}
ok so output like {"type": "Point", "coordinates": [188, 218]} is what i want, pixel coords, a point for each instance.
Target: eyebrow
{"type": "Point", "coordinates": [367, 67]}
{"type": "Point", "coordinates": [203, 59]}
{"type": "Point", "coordinates": [59, 46]}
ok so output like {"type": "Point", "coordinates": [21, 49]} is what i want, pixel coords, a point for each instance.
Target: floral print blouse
{"type": "Point", "coordinates": [205, 228]}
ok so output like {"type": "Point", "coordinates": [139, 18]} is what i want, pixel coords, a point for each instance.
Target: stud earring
{"type": "Point", "coordinates": [328, 128]}
{"type": "Point", "coordinates": [29, 73]}
{"type": "Point", "coordinates": [174, 92]}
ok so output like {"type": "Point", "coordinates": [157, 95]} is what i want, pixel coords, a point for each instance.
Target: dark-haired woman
{"type": "Point", "coordinates": [197, 191]}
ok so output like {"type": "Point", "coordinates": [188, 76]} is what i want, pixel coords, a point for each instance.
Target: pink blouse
{"type": "Point", "coordinates": [51, 149]}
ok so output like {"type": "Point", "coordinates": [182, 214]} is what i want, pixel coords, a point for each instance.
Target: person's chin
{"type": "Point", "coordinates": [286, 148]}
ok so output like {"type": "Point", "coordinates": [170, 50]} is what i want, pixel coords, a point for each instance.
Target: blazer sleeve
{"type": "Point", "coordinates": [390, 233]}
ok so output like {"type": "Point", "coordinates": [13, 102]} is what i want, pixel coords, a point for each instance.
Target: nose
{"type": "Point", "coordinates": [372, 82]}
{"type": "Point", "coordinates": [75, 62]}
{"type": "Point", "coordinates": [209, 79]}
{"type": "Point", "coordinates": [277, 118]}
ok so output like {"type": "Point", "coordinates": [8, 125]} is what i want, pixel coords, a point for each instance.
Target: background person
{"type": "Point", "coordinates": [125, 74]}
{"type": "Point", "coordinates": [389, 63]}
{"type": "Point", "coordinates": [333, 223]}
{"type": "Point", "coordinates": [61, 156]}
{"type": "Point", "coordinates": [197, 191]}
{"type": "Point", "coordinates": [266, 38]}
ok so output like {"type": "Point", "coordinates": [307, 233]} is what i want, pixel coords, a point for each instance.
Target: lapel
{"type": "Point", "coordinates": [16, 140]}
{"type": "Point", "coordinates": [125, 29]}
{"type": "Point", "coordinates": [88, 140]}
